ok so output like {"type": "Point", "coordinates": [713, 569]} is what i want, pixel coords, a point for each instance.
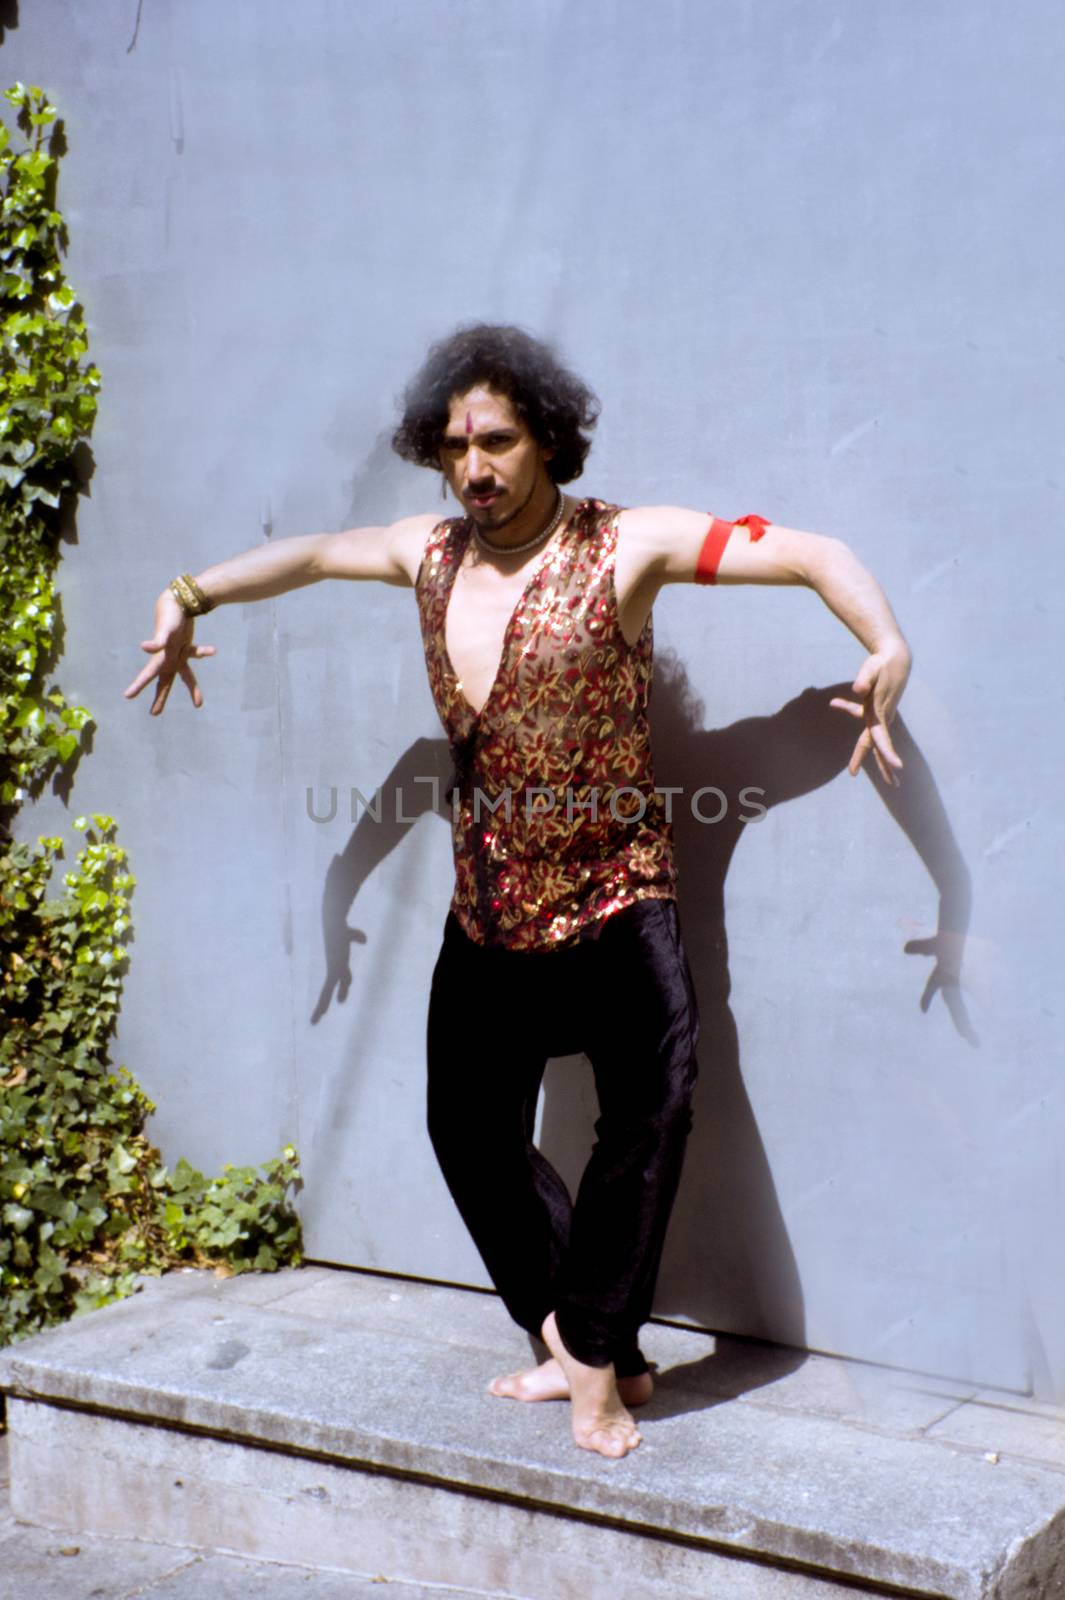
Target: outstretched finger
{"type": "Point", "coordinates": [882, 740]}
{"type": "Point", "coordinates": [850, 706]}
{"type": "Point", "coordinates": [143, 677]}
{"type": "Point", "coordinates": [194, 652]}
{"type": "Point", "coordinates": [153, 669]}
{"type": "Point", "coordinates": [882, 767]}
{"type": "Point", "coordinates": [188, 678]}
{"type": "Point", "coordinates": [162, 694]}
{"type": "Point", "coordinates": [885, 759]}
{"type": "Point", "coordinates": [861, 750]}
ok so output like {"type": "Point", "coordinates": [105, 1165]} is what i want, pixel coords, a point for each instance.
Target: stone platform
{"type": "Point", "coordinates": [339, 1421]}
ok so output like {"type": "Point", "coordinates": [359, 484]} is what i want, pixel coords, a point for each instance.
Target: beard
{"type": "Point", "coordinates": [501, 512]}
{"type": "Point", "coordinates": [497, 515]}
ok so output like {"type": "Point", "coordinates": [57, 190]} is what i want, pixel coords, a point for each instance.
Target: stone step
{"type": "Point", "coordinates": [45, 1564]}
{"type": "Point", "coordinates": [339, 1420]}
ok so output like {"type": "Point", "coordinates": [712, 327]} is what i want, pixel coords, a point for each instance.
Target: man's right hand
{"type": "Point", "coordinates": [171, 649]}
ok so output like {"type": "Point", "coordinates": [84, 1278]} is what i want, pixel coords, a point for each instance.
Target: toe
{"type": "Point", "coordinates": [613, 1441]}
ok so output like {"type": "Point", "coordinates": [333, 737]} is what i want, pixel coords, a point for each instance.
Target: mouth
{"type": "Point", "coordinates": [483, 499]}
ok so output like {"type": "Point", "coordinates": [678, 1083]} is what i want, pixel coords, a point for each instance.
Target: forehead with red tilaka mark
{"type": "Point", "coordinates": [469, 422]}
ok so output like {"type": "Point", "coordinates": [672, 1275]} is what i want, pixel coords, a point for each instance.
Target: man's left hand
{"type": "Point", "coordinates": [879, 687]}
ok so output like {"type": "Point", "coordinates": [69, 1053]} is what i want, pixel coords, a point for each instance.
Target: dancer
{"type": "Point", "coordinates": [562, 935]}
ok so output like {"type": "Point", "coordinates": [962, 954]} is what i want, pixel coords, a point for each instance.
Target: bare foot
{"type": "Point", "coordinates": [600, 1420]}
{"type": "Point", "coordinates": [549, 1382]}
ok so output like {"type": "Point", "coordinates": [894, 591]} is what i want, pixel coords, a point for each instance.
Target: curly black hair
{"type": "Point", "coordinates": [558, 408]}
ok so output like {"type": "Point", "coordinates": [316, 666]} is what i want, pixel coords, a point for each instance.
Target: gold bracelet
{"type": "Point", "coordinates": [189, 596]}
{"type": "Point", "coordinates": [201, 598]}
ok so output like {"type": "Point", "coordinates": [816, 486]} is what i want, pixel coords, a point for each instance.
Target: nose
{"type": "Point", "coordinates": [475, 464]}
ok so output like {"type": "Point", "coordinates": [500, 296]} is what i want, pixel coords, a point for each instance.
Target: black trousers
{"type": "Point", "coordinates": [625, 998]}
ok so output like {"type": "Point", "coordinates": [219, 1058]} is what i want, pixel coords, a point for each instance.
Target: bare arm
{"type": "Point", "coordinates": [664, 544]}
{"type": "Point", "coordinates": [389, 554]}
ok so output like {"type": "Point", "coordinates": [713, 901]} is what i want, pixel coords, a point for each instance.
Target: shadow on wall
{"type": "Point", "coordinates": [8, 16]}
{"type": "Point", "coordinates": [729, 1264]}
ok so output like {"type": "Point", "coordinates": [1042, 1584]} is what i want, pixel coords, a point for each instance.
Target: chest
{"type": "Point", "coordinates": [483, 605]}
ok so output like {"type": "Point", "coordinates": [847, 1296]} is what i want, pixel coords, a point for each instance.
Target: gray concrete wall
{"type": "Point", "coordinates": [807, 254]}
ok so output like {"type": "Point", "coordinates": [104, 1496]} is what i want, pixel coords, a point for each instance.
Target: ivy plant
{"type": "Point", "coordinates": [47, 405]}
{"type": "Point", "coordinates": [86, 1203]}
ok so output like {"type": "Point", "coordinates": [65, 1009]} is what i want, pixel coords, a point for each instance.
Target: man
{"type": "Point", "coordinates": [563, 934]}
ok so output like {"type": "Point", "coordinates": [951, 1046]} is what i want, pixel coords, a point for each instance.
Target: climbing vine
{"type": "Point", "coordinates": [85, 1201]}
{"type": "Point", "coordinates": [47, 405]}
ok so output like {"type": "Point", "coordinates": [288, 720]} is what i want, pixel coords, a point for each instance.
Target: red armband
{"type": "Point", "coordinates": [716, 540]}
{"type": "Point", "coordinates": [713, 546]}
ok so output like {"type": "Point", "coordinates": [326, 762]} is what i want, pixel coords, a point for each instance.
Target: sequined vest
{"type": "Point", "coordinates": [555, 818]}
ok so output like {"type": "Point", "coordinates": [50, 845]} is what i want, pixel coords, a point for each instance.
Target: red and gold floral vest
{"type": "Point", "coordinates": [556, 822]}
